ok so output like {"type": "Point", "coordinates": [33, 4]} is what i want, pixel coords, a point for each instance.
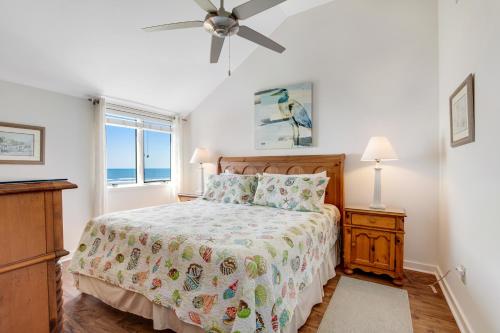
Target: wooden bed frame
{"type": "Point", "coordinates": [332, 164]}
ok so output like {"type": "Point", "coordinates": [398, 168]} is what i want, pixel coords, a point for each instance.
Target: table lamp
{"type": "Point", "coordinates": [200, 155]}
{"type": "Point", "coordinates": [378, 149]}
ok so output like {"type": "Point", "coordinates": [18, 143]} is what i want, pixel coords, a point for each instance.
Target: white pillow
{"type": "Point", "coordinates": [306, 194]}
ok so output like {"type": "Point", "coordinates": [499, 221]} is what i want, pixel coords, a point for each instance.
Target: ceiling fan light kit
{"type": "Point", "coordinates": [221, 24]}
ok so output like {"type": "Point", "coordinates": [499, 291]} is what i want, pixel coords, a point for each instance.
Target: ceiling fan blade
{"type": "Point", "coordinates": [174, 26]}
{"type": "Point", "coordinates": [216, 49]}
{"type": "Point", "coordinates": [206, 5]}
{"type": "Point", "coordinates": [254, 7]}
{"type": "Point", "coordinates": [260, 39]}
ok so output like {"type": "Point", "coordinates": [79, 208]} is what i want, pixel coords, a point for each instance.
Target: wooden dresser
{"type": "Point", "coordinates": [31, 239]}
{"type": "Point", "coordinates": [374, 241]}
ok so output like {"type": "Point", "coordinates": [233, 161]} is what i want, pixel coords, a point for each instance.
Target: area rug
{"type": "Point", "coordinates": [365, 307]}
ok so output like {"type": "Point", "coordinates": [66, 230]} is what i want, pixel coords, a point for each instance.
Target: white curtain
{"type": "Point", "coordinates": [100, 168]}
{"type": "Point", "coordinates": [176, 157]}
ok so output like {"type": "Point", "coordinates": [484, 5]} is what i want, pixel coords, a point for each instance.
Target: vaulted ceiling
{"type": "Point", "coordinates": [96, 47]}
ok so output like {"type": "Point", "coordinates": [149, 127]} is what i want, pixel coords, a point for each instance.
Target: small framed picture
{"type": "Point", "coordinates": [21, 144]}
{"type": "Point", "coordinates": [462, 113]}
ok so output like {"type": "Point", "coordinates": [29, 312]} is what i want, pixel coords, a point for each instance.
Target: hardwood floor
{"type": "Point", "coordinates": [430, 312]}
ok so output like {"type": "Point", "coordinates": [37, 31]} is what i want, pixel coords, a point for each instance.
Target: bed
{"type": "Point", "coordinates": [203, 266]}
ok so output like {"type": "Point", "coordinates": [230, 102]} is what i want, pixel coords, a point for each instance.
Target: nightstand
{"type": "Point", "coordinates": [374, 241]}
{"type": "Point", "coordinates": [182, 197]}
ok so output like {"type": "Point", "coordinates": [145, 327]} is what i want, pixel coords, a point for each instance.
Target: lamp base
{"type": "Point", "coordinates": [377, 206]}
{"type": "Point", "coordinates": [377, 189]}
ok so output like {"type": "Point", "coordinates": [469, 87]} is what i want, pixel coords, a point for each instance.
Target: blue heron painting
{"type": "Point", "coordinates": [283, 117]}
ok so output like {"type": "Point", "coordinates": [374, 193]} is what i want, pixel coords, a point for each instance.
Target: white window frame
{"type": "Point", "coordinates": [162, 123]}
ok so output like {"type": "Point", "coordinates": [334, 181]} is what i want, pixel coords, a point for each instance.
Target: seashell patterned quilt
{"type": "Point", "coordinates": [223, 267]}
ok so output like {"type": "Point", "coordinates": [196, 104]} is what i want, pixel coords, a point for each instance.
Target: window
{"type": "Point", "coordinates": [138, 147]}
{"type": "Point", "coordinates": [122, 154]}
{"type": "Point", "coordinates": [156, 156]}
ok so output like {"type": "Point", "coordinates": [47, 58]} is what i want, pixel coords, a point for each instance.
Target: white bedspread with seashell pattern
{"type": "Point", "coordinates": [222, 267]}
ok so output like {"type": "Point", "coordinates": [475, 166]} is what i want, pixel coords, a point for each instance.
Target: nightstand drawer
{"type": "Point", "coordinates": [374, 221]}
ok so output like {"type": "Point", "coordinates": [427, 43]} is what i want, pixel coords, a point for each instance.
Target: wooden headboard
{"type": "Point", "coordinates": [332, 164]}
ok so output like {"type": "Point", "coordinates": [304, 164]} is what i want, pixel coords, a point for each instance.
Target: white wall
{"type": "Point", "coordinates": [68, 127]}
{"type": "Point", "coordinates": [126, 198]}
{"type": "Point", "coordinates": [469, 224]}
{"type": "Point", "coordinates": [374, 69]}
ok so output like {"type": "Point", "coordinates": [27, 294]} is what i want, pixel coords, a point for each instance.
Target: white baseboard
{"type": "Point", "coordinates": [420, 267]}
{"type": "Point", "coordinates": [456, 309]}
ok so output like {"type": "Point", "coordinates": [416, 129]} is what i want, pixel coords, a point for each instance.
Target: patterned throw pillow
{"type": "Point", "coordinates": [306, 194]}
{"type": "Point", "coordinates": [231, 188]}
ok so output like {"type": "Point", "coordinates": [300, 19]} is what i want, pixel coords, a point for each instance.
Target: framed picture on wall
{"type": "Point", "coordinates": [283, 117]}
{"type": "Point", "coordinates": [462, 113]}
{"type": "Point", "coordinates": [21, 144]}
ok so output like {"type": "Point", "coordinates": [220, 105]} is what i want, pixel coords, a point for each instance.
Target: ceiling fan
{"type": "Point", "coordinates": [221, 24]}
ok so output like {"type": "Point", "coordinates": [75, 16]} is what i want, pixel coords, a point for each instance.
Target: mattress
{"type": "Point", "coordinates": [210, 266]}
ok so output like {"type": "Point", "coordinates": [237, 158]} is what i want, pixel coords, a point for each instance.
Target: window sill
{"type": "Point", "coordinates": [133, 187]}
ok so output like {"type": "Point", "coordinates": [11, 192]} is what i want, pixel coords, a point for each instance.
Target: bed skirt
{"type": "Point", "coordinates": [165, 318]}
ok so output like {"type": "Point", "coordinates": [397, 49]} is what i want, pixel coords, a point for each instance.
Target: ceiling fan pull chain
{"type": "Point", "coordinates": [229, 55]}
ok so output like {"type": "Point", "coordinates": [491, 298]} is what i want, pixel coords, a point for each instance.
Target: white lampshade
{"type": "Point", "coordinates": [379, 149]}
{"type": "Point", "coordinates": [200, 155]}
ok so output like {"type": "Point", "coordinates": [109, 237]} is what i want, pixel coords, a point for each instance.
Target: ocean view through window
{"type": "Point", "coordinates": [138, 150]}
{"type": "Point", "coordinates": [121, 154]}
{"type": "Point", "coordinates": [156, 156]}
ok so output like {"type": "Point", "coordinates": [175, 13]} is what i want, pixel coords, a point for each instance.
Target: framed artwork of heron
{"type": "Point", "coordinates": [283, 117]}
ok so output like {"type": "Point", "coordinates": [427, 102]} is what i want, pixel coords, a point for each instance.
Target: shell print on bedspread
{"type": "Point", "coordinates": [243, 310]}
{"type": "Point", "coordinates": [94, 247]}
{"type": "Point", "coordinates": [156, 247]}
{"type": "Point", "coordinates": [120, 258]}
{"type": "Point", "coordinates": [274, 319]}
{"type": "Point", "coordinates": [276, 275]}
{"type": "Point", "coordinates": [173, 274]}
{"type": "Point", "coordinates": [231, 291]}
{"type": "Point", "coordinates": [205, 301]}
{"type": "Point", "coordinates": [295, 263]}
{"type": "Point", "coordinates": [176, 297]}
{"type": "Point", "coordinates": [155, 284]}
{"type": "Point", "coordinates": [156, 266]}
{"type": "Point", "coordinates": [288, 241]}
{"type": "Point", "coordinates": [206, 253]}
{"type": "Point", "coordinates": [187, 254]}
{"type": "Point", "coordinates": [193, 275]}
{"type": "Point", "coordinates": [259, 323]}
{"type": "Point", "coordinates": [229, 315]}
{"type": "Point", "coordinates": [110, 252]}
{"type": "Point", "coordinates": [260, 295]}
{"type": "Point", "coordinates": [228, 266]}
{"type": "Point", "coordinates": [107, 266]}
{"type": "Point", "coordinates": [143, 238]}
{"type": "Point", "coordinates": [195, 318]}
{"type": "Point", "coordinates": [134, 259]}
{"type": "Point", "coordinates": [284, 318]}
{"type": "Point", "coordinates": [82, 247]}
{"type": "Point", "coordinates": [255, 266]}
{"type": "Point", "coordinates": [140, 278]}
{"type": "Point", "coordinates": [111, 236]}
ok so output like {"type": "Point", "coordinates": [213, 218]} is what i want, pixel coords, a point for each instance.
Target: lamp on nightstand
{"type": "Point", "coordinates": [378, 149]}
{"type": "Point", "coordinates": [200, 155]}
